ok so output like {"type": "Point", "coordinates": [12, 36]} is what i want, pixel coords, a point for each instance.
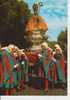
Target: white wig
{"type": "Point", "coordinates": [44, 44]}
{"type": "Point", "coordinates": [58, 48]}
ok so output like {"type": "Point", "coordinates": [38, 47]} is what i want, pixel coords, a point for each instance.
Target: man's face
{"type": "Point", "coordinates": [57, 51]}
{"type": "Point", "coordinates": [43, 47]}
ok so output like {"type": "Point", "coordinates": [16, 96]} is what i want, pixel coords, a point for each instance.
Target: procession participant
{"type": "Point", "coordinates": [54, 71]}
{"type": "Point", "coordinates": [60, 65]}
{"type": "Point", "coordinates": [48, 67]}
{"type": "Point", "coordinates": [24, 63]}
{"type": "Point", "coordinates": [32, 70]}
{"type": "Point", "coordinates": [47, 61]}
{"type": "Point", "coordinates": [49, 58]}
{"type": "Point", "coordinates": [28, 53]}
{"type": "Point", "coordinates": [45, 66]}
{"type": "Point", "coordinates": [8, 73]}
{"type": "Point", "coordinates": [1, 72]}
{"type": "Point", "coordinates": [16, 68]}
{"type": "Point", "coordinates": [44, 62]}
{"type": "Point", "coordinates": [24, 66]}
{"type": "Point", "coordinates": [37, 70]}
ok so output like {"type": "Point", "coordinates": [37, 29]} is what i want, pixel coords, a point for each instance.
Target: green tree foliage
{"type": "Point", "coordinates": [62, 40]}
{"type": "Point", "coordinates": [14, 15]}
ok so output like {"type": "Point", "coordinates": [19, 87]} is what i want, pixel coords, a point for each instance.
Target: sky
{"type": "Point", "coordinates": [54, 12]}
